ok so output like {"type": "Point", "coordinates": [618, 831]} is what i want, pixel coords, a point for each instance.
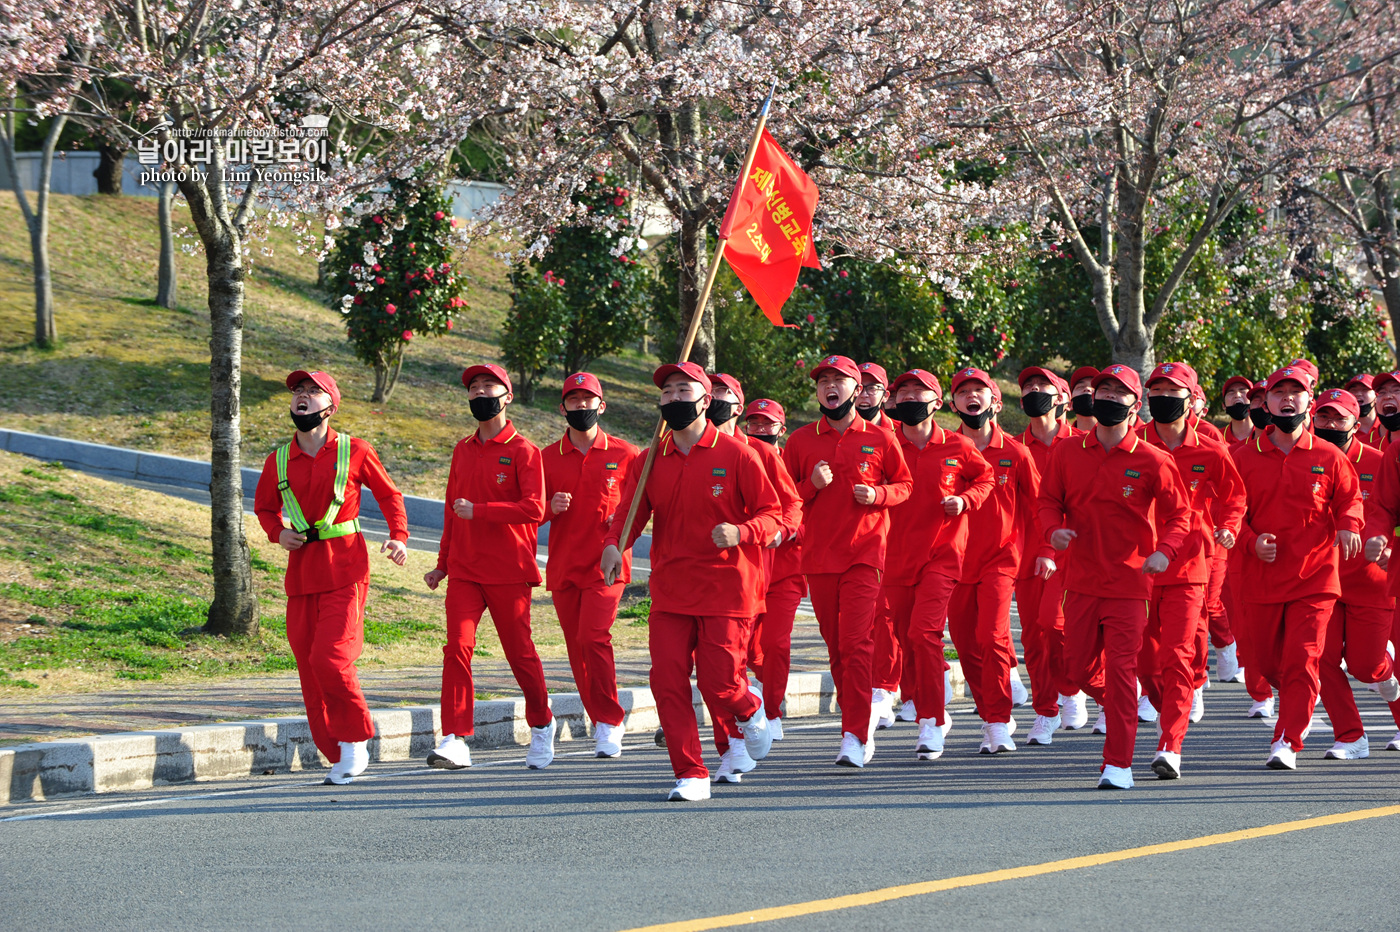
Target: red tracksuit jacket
{"type": "Point", "coordinates": [1036, 543]}
{"type": "Point", "coordinates": [1115, 500]}
{"type": "Point", "coordinates": [838, 532]}
{"type": "Point", "coordinates": [1215, 493]}
{"type": "Point", "coordinates": [1363, 582]}
{"type": "Point", "coordinates": [997, 531]}
{"type": "Point", "coordinates": [786, 559]}
{"type": "Point", "coordinates": [324, 565]}
{"type": "Point", "coordinates": [720, 481]}
{"type": "Point", "coordinates": [920, 533]}
{"type": "Point", "coordinates": [595, 480]}
{"type": "Point", "coordinates": [1304, 499]}
{"type": "Point", "coordinates": [504, 480]}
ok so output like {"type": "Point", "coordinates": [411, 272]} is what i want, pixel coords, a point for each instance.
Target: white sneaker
{"type": "Point", "coordinates": [1101, 724]}
{"type": "Point", "coordinates": [1198, 706]}
{"type": "Point", "coordinates": [757, 738]}
{"type": "Point", "coordinates": [906, 712]}
{"type": "Point", "coordinates": [995, 739]}
{"type": "Point", "coordinates": [930, 746]}
{"type": "Point", "coordinates": [852, 753]}
{"type": "Point", "coordinates": [1394, 744]}
{"type": "Point", "coordinates": [1167, 765]}
{"type": "Point", "coordinates": [1011, 725]}
{"type": "Point", "coordinates": [882, 707]}
{"type": "Point", "coordinates": [451, 753]}
{"type": "Point", "coordinates": [1206, 684]}
{"type": "Point", "coordinates": [541, 753]}
{"type": "Point", "coordinates": [1227, 665]}
{"type": "Point", "coordinates": [735, 763]}
{"type": "Point", "coordinates": [1282, 756]}
{"type": "Point", "coordinates": [947, 725]}
{"type": "Point", "coordinates": [354, 758]}
{"type": "Point", "coordinates": [1349, 750]}
{"type": "Point", "coordinates": [1146, 713]}
{"type": "Point", "coordinates": [1074, 713]}
{"type": "Point", "coordinates": [1264, 709]}
{"type": "Point", "coordinates": [1019, 694]}
{"type": "Point", "coordinates": [870, 746]}
{"type": "Point", "coordinates": [775, 728]}
{"type": "Point", "coordinates": [689, 790]}
{"type": "Point", "coordinates": [1116, 778]}
{"type": "Point", "coordinates": [947, 685]}
{"type": "Point", "coordinates": [1389, 689]}
{"type": "Point", "coordinates": [607, 740]}
{"type": "Point", "coordinates": [1043, 731]}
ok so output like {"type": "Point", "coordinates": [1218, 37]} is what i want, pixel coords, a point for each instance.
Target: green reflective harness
{"type": "Point", "coordinates": [323, 529]}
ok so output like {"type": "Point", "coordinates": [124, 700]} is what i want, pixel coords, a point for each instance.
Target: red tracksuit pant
{"type": "Point", "coordinates": [715, 646]}
{"type": "Point", "coordinates": [773, 632]}
{"type": "Point", "coordinates": [1287, 641]}
{"type": "Point", "coordinates": [1172, 645]}
{"type": "Point", "coordinates": [1357, 633]}
{"type": "Point", "coordinates": [509, 605]}
{"type": "Point", "coordinates": [845, 605]}
{"type": "Point", "coordinates": [890, 672]}
{"type": "Point", "coordinates": [979, 621]}
{"type": "Point", "coordinates": [1217, 615]}
{"type": "Point", "coordinates": [726, 727]}
{"type": "Point", "coordinates": [1104, 636]}
{"type": "Point", "coordinates": [920, 613]}
{"type": "Point", "coordinates": [1395, 639]}
{"type": "Point", "coordinates": [587, 617]}
{"type": "Point", "coordinates": [326, 632]}
{"type": "Point", "coordinates": [1038, 603]}
{"type": "Point", "coordinates": [1254, 683]}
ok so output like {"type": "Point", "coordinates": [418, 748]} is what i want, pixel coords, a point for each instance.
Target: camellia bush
{"type": "Point", "coordinates": [391, 274]}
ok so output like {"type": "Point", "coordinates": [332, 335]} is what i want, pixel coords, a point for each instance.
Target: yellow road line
{"type": "Point", "coordinates": [1014, 873]}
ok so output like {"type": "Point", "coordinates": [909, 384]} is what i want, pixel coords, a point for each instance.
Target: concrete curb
{"type": "Point", "coordinates": [142, 759]}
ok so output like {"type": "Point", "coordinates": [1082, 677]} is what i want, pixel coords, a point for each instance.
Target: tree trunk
{"type": "Point", "coordinates": [45, 329]}
{"type": "Point", "coordinates": [234, 611]}
{"type": "Point", "coordinates": [1388, 260]}
{"type": "Point", "coordinates": [386, 376]}
{"type": "Point", "coordinates": [694, 264]}
{"type": "Point", "coordinates": [166, 281]}
{"type": "Point", "coordinates": [109, 168]}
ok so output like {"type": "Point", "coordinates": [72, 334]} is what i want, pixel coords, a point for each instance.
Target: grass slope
{"type": "Point", "coordinates": [129, 373]}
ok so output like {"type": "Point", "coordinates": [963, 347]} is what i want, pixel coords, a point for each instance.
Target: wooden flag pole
{"type": "Point", "coordinates": [692, 330]}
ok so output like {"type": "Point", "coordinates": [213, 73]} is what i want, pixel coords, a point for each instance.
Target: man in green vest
{"type": "Point", "coordinates": [308, 501]}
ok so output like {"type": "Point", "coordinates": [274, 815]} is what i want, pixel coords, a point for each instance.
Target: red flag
{"type": "Point", "coordinates": [769, 227]}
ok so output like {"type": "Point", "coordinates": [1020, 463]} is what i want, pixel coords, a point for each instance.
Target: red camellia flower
{"type": "Point", "coordinates": [375, 268]}
{"type": "Point", "coordinates": [414, 293]}
{"type": "Point", "coordinates": [378, 219]}
{"type": "Point", "coordinates": [801, 364]}
{"type": "Point", "coordinates": [843, 273]}
{"type": "Point", "coordinates": [379, 280]}
{"type": "Point", "coordinates": [359, 299]}
{"type": "Point", "coordinates": [616, 283]}
{"type": "Point", "coordinates": [438, 215]}
{"type": "Point", "coordinates": [454, 221]}
{"type": "Point", "coordinates": [811, 318]}
{"type": "Point", "coordinates": [390, 309]}
{"type": "Point", "coordinates": [449, 324]}
{"type": "Point", "coordinates": [619, 201]}
{"type": "Point", "coordinates": [408, 334]}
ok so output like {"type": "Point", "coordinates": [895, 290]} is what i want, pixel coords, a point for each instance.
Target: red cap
{"type": "Point", "coordinates": [1179, 374]}
{"type": "Point", "coordinates": [1307, 366]}
{"type": "Point", "coordinates": [691, 370]}
{"type": "Point", "coordinates": [1289, 373]}
{"type": "Point", "coordinates": [922, 377]}
{"type": "Point", "coordinates": [1060, 383]}
{"type": "Point", "coordinates": [971, 374]}
{"type": "Point", "coordinates": [731, 383]}
{"type": "Point", "coordinates": [1256, 390]}
{"type": "Point", "coordinates": [765, 407]}
{"type": "Point", "coordinates": [582, 382]}
{"type": "Point", "coordinates": [1240, 380]}
{"type": "Point", "coordinates": [1082, 373]}
{"type": "Point", "coordinates": [842, 364]}
{"type": "Point", "coordinates": [1040, 371]}
{"type": "Point", "coordinates": [322, 379]}
{"type": "Point", "coordinates": [875, 371]}
{"type": "Point", "coordinates": [1381, 380]}
{"type": "Point", "coordinates": [1363, 379]}
{"type": "Point", "coordinates": [1125, 374]}
{"type": "Point", "coordinates": [496, 372]}
{"type": "Point", "coordinates": [1340, 400]}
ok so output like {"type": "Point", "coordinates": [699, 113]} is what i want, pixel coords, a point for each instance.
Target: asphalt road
{"type": "Point", "coordinates": [590, 844]}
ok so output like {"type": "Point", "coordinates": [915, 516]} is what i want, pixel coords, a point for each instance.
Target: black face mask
{"type": "Point", "coordinates": [309, 422]}
{"type": "Point", "coordinates": [838, 412]}
{"type": "Point", "coordinates": [582, 419]}
{"type": "Point", "coordinates": [719, 412]}
{"type": "Point", "coordinates": [1059, 411]}
{"type": "Point", "coordinates": [484, 408]}
{"type": "Point", "coordinates": [869, 413]}
{"type": "Point", "coordinates": [1390, 422]}
{"type": "Point", "coordinates": [1110, 413]}
{"type": "Point", "coordinates": [1259, 417]}
{"type": "Point", "coordinates": [1238, 411]}
{"type": "Point", "coordinates": [913, 412]}
{"type": "Point", "coordinates": [1367, 408]}
{"type": "Point", "coordinates": [680, 414]}
{"type": "Point", "coordinates": [1083, 405]}
{"type": "Point", "coordinates": [1166, 409]}
{"type": "Point", "coordinates": [770, 439]}
{"type": "Point", "coordinates": [975, 421]}
{"type": "Point", "coordinates": [1037, 404]}
{"type": "Point", "coordinates": [1288, 423]}
{"type": "Point", "coordinates": [1340, 438]}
